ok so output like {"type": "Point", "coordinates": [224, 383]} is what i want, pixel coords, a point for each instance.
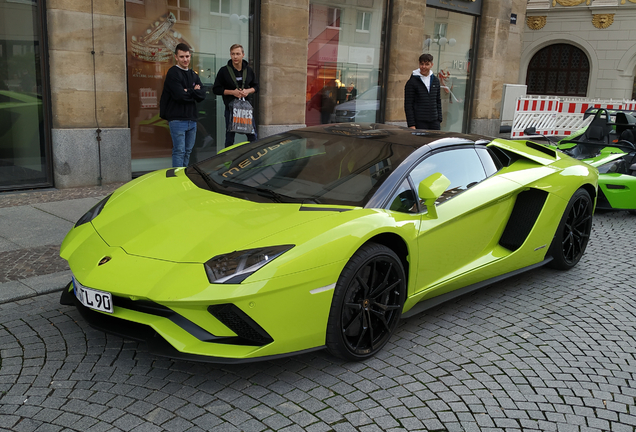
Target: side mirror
{"type": "Point", "coordinates": [430, 189]}
{"type": "Point", "coordinates": [530, 130]}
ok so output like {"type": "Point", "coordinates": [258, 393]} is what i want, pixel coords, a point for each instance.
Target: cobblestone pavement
{"type": "Point", "coordinates": [29, 262]}
{"type": "Point", "coordinates": [12, 199]}
{"type": "Point", "coordinates": [547, 350]}
{"type": "Point", "coordinates": [26, 262]}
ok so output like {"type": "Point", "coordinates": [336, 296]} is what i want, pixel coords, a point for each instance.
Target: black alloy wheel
{"type": "Point", "coordinates": [573, 232]}
{"type": "Point", "coordinates": [367, 303]}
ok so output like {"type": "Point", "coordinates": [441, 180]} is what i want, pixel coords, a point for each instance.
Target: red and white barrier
{"type": "Point", "coordinates": [558, 116]}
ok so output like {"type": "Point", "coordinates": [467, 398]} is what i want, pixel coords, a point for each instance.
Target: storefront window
{"type": "Point", "coordinates": [23, 159]}
{"type": "Point", "coordinates": [153, 29]}
{"type": "Point", "coordinates": [449, 38]}
{"type": "Point", "coordinates": [343, 62]}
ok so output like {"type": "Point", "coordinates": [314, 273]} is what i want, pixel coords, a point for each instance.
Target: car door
{"type": "Point", "coordinates": [471, 215]}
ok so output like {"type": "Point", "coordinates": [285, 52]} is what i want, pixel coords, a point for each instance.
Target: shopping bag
{"type": "Point", "coordinates": [242, 117]}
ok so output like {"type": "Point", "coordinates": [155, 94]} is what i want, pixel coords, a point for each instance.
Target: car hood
{"type": "Point", "coordinates": [169, 218]}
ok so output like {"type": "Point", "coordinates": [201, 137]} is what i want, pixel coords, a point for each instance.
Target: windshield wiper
{"type": "Point", "coordinates": [275, 196]}
{"type": "Point", "coordinates": [206, 177]}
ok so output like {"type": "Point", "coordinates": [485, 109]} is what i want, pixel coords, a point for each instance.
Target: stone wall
{"type": "Point", "coordinates": [497, 61]}
{"type": "Point", "coordinates": [283, 68]}
{"type": "Point", "coordinates": [88, 91]}
{"type": "Point", "coordinates": [407, 25]}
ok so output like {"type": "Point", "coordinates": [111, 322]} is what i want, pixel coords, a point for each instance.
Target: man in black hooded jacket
{"type": "Point", "coordinates": [422, 97]}
{"type": "Point", "coordinates": [182, 89]}
{"type": "Point", "coordinates": [234, 81]}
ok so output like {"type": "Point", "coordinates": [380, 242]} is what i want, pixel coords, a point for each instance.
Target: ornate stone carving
{"type": "Point", "coordinates": [536, 22]}
{"type": "Point", "coordinates": [569, 2]}
{"type": "Point", "coordinates": [602, 21]}
{"type": "Point", "coordinates": [631, 1]}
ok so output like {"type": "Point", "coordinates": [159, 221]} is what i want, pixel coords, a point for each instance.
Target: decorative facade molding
{"type": "Point", "coordinates": [602, 21]}
{"type": "Point", "coordinates": [604, 3]}
{"type": "Point", "coordinates": [536, 22]}
{"type": "Point", "coordinates": [538, 4]}
{"type": "Point", "coordinates": [570, 2]}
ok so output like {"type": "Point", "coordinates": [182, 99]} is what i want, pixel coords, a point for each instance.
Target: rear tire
{"type": "Point", "coordinates": [367, 303]}
{"type": "Point", "coordinates": [573, 233]}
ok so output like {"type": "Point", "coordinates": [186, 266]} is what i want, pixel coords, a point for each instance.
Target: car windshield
{"type": "Point", "coordinates": [309, 167]}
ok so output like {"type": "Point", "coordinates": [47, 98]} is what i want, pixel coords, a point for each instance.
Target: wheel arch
{"type": "Point", "coordinates": [591, 190]}
{"type": "Point", "coordinates": [397, 245]}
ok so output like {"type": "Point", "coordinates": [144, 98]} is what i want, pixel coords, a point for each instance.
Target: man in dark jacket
{"type": "Point", "coordinates": [422, 99]}
{"type": "Point", "coordinates": [182, 89]}
{"type": "Point", "coordinates": [234, 81]}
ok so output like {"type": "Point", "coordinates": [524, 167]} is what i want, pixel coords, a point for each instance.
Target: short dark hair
{"type": "Point", "coordinates": [426, 58]}
{"type": "Point", "coordinates": [182, 47]}
{"type": "Point", "coordinates": [233, 47]}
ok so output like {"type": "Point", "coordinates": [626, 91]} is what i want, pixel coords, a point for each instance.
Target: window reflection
{"type": "Point", "coordinates": [461, 166]}
{"type": "Point", "coordinates": [343, 62]}
{"type": "Point", "coordinates": [22, 139]}
{"type": "Point", "coordinates": [449, 38]}
{"type": "Point", "coordinates": [153, 29]}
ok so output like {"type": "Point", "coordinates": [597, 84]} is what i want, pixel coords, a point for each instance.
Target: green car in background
{"type": "Point", "coordinates": [322, 237]}
{"type": "Point", "coordinates": [608, 143]}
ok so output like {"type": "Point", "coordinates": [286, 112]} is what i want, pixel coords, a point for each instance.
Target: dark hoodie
{"type": "Point", "coordinates": [420, 104]}
{"type": "Point", "coordinates": [224, 81]}
{"type": "Point", "coordinates": [176, 103]}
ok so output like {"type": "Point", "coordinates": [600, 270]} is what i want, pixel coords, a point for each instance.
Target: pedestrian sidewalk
{"type": "Point", "coordinates": [32, 227]}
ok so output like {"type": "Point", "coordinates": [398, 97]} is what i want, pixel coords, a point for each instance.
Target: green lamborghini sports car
{"type": "Point", "coordinates": [608, 143]}
{"type": "Point", "coordinates": [321, 237]}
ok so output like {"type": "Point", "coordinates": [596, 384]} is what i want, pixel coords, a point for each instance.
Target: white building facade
{"type": "Point", "coordinates": [584, 48]}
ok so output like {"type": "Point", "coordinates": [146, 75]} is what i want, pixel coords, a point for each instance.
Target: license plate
{"type": "Point", "coordinates": [92, 298]}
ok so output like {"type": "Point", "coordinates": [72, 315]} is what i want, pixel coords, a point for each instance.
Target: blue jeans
{"type": "Point", "coordinates": [229, 136]}
{"type": "Point", "coordinates": [183, 133]}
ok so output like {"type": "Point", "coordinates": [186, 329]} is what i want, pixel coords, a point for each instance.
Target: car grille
{"type": "Point", "coordinates": [247, 334]}
{"type": "Point", "coordinates": [240, 323]}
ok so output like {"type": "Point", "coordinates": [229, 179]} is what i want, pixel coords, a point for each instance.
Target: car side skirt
{"type": "Point", "coordinates": [435, 301]}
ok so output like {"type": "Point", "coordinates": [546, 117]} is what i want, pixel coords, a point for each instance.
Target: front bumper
{"type": "Point", "coordinates": [174, 308]}
{"type": "Point", "coordinates": [158, 345]}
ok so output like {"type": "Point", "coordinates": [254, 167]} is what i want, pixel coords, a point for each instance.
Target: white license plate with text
{"type": "Point", "coordinates": [92, 298]}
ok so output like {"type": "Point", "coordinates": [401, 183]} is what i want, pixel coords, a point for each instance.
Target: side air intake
{"type": "Point", "coordinates": [240, 323]}
{"type": "Point", "coordinates": [524, 214]}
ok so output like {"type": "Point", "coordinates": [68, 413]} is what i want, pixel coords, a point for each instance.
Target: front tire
{"type": "Point", "coordinates": [573, 232]}
{"type": "Point", "coordinates": [367, 304]}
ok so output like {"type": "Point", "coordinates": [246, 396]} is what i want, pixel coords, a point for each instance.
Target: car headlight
{"type": "Point", "coordinates": [92, 213]}
{"type": "Point", "coordinates": [235, 267]}
{"type": "Point", "coordinates": [344, 113]}
{"type": "Point", "coordinates": [615, 166]}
